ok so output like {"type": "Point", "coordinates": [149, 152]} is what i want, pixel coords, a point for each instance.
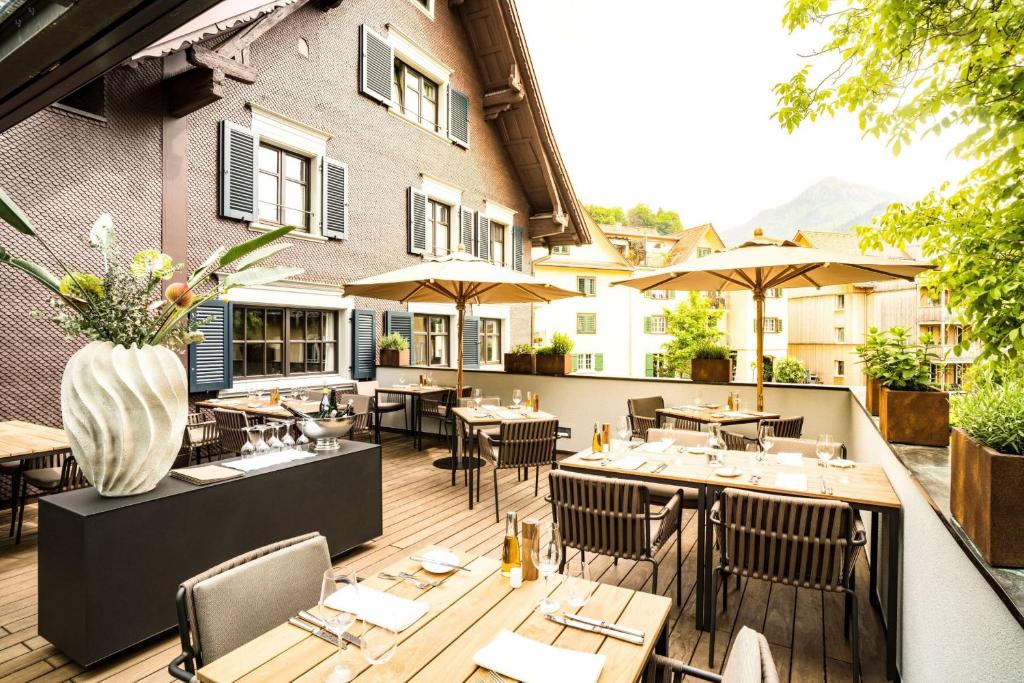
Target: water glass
{"type": "Point", "coordinates": [579, 582]}
{"type": "Point", "coordinates": [379, 644]}
{"type": "Point", "coordinates": [517, 398]}
{"type": "Point", "coordinates": [401, 381]}
{"type": "Point", "coordinates": [339, 621]}
{"type": "Point", "coordinates": [766, 438]}
{"type": "Point", "coordinates": [478, 398]}
{"type": "Point", "coordinates": [547, 556]}
{"type": "Point", "coordinates": [304, 395]}
{"type": "Point", "coordinates": [698, 400]}
{"type": "Point", "coordinates": [624, 430]}
{"type": "Point", "coordinates": [823, 449]}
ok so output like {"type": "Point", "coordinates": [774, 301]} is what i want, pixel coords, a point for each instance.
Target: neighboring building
{"type": "Point", "coordinates": [388, 131]}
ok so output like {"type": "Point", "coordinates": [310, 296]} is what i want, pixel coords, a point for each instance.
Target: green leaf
{"type": "Point", "coordinates": [238, 251]}
{"type": "Point", "coordinates": [10, 213]}
{"type": "Point", "coordinates": [260, 254]}
{"type": "Point", "coordinates": [260, 276]}
{"type": "Point", "coordinates": [42, 275]}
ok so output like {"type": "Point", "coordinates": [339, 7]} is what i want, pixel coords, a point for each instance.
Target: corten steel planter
{"type": "Point", "coordinates": [522, 363]}
{"type": "Point", "coordinates": [393, 358]}
{"type": "Point", "coordinates": [711, 370]}
{"type": "Point", "coordinates": [553, 364]}
{"type": "Point", "coordinates": [874, 395]}
{"type": "Point", "coordinates": [920, 418]}
{"type": "Point", "coordinates": [985, 498]}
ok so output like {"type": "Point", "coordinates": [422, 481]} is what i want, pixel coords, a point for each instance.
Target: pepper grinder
{"type": "Point", "coordinates": [531, 534]}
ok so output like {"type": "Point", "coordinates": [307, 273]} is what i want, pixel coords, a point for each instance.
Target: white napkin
{"type": "Point", "coordinates": [789, 459]}
{"type": "Point", "coordinates": [629, 462]}
{"type": "Point", "coordinates": [657, 446]}
{"type": "Point", "coordinates": [377, 607]}
{"type": "Point", "coordinates": [527, 660]}
{"type": "Point", "coordinates": [508, 415]}
{"type": "Point", "coordinates": [793, 481]}
{"type": "Point", "coordinates": [735, 413]}
{"type": "Point", "coordinates": [267, 460]}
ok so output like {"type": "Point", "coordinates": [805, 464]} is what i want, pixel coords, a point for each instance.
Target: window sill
{"type": "Point", "coordinates": [308, 236]}
{"type": "Point", "coordinates": [433, 133]}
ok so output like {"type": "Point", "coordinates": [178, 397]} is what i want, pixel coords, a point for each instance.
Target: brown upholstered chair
{"type": "Point", "coordinates": [50, 474]}
{"type": "Point", "coordinates": [361, 404]}
{"type": "Point", "coordinates": [802, 542]}
{"type": "Point", "coordinates": [232, 603]}
{"type": "Point", "coordinates": [613, 517]}
{"type": "Point", "coordinates": [785, 427]}
{"type": "Point", "coordinates": [643, 414]}
{"type": "Point", "coordinates": [231, 426]}
{"type": "Point", "coordinates": [520, 444]}
{"type": "Point", "coordinates": [749, 661]}
{"type": "Point", "coordinates": [200, 433]}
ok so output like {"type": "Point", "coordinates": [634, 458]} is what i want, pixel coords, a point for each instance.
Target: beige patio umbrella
{"type": "Point", "coordinates": [762, 264]}
{"type": "Point", "coordinates": [461, 279]}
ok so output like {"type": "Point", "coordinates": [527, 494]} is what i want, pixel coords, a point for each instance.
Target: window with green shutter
{"type": "Point", "coordinates": [649, 365]}
{"type": "Point", "coordinates": [586, 285]}
{"type": "Point", "coordinates": [586, 323]}
{"type": "Point", "coordinates": [417, 221]}
{"type": "Point", "coordinates": [458, 118]}
{"type": "Point", "coordinates": [598, 362]}
{"type": "Point", "coordinates": [237, 172]}
{"type": "Point", "coordinates": [517, 248]}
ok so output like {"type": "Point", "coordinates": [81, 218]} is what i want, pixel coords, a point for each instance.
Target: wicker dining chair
{"type": "Point", "coordinates": [384, 401]}
{"type": "Point", "coordinates": [643, 414]}
{"type": "Point", "coordinates": [439, 407]}
{"type": "Point", "coordinates": [749, 661]}
{"type": "Point", "coordinates": [231, 426]}
{"type": "Point", "coordinates": [613, 517]}
{"type": "Point", "coordinates": [200, 432]}
{"type": "Point", "coordinates": [50, 474]}
{"type": "Point", "coordinates": [520, 444]}
{"type": "Point", "coordinates": [735, 441]}
{"type": "Point", "coordinates": [232, 603]}
{"type": "Point", "coordinates": [784, 427]}
{"type": "Point", "coordinates": [361, 404]}
{"type": "Point", "coordinates": [802, 542]}
{"type": "Point", "coordinates": [661, 494]}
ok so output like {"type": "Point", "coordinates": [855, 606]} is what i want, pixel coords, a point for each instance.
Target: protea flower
{"type": "Point", "coordinates": [179, 294]}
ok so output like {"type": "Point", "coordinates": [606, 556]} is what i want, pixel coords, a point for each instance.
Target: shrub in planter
{"type": "Point", "coordinates": [711, 363]}
{"type": "Point", "coordinates": [871, 354]}
{"type": "Point", "coordinates": [987, 465]}
{"type": "Point", "coordinates": [394, 350]}
{"type": "Point", "coordinates": [789, 370]}
{"type": "Point", "coordinates": [555, 358]}
{"type": "Point", "coordinates": [520, 358]}
{"type": "Point", "coordinates": [911, 410]}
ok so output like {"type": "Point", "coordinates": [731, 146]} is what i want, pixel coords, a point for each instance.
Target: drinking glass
{"type": "Point", "coordinates": [478, 398]}
{"type": "Point", "coordinates": [766, 439]}
{"type": "Point", "coordinates": [546, 556]}
{"type": "Point", "coordinates": [823, 449]}
{"type": "Point", "coordinates": [624, 431]}
{"type": "Point", "coordinates": [826, 453]}
{"type": "Point", "coordinates": [755, 455]}
{"type": "Point", "coordinates": [250, 399]}
{"type": "Point", "coordinates": [304, 395]}
{"type": "Point", "coordinates": [249, 447]}
{"type": "Point", "coordinates": [262, 446]}
{"type": "Point", "coordinates": [517, 398]}
{"type": "Point", "coordinates": [401, 380]}
{"type": "Point", "coordinates": [580, 587]}
{"type": "Point", "coordinates": [288, 441]}
{"type": "Point", "coordinates": [379, 644]}
{"type": "Point", "coordinates": [715, 444]}
{"type": "Point", "coordinates": [430, 379]}
{"type": "Point", "coordinates": [338, 621]}
{"type": "Point", "coordinates": [698, 400]}
{"type": "Point", "coordinates": [275, 442]}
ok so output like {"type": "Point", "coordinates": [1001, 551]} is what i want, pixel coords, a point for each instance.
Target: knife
{"type": "Point", "coordinates": [604, 624]}
{"type": "Point", "coordinates": [325, 636]}
{"type": "Point", "coordinates": [429, 560]}
{"type": "Point", "coordinates": [597, 629]}
{"type": "Point", "coordinates": [321, 624]}
{"type": "Point", "coordinates": [659, 468]}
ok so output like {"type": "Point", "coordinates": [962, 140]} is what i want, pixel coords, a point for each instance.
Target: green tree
{"type": "Point", "coordinates": [665, 222]}
{"type": "Point", "coordinates": [606, 215]}
{"type": "Point", "coordinates": [909, 68]}
{"type": "Point", "coordinates": [693, 323]}
{"type": "Point", "coordinates": [789, 370]}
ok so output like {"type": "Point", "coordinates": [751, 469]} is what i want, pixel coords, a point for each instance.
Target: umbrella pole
{"type": "Point", "coordinates": [460, 306]}
{"type": "Point", "coordinates": [759, 301]}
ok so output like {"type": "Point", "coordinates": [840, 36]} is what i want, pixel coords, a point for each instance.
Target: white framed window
{"type": "Point", "coordinates": [560, 249]}
{"type": "Point", "coordinates": [773, 293]}
{"type": "Point", "coordinates": [840, 302]}
{"type": "Point", "coordinates": [502, 218]}
{"type": "Point", "coordinates": [657, 324]}
{"type": "Point", "coordinates": [419, 84]}
{"type": "Point", "coordinates": [425, 6]}
{"type": "Point", "coordinates": [586, 323]}
{"type": "Point", "coordinates": [658, 294]}
{"type": "Point", "coordinates": [443, 201]}
{"type": "Point", "coordinates": [586, 285]}
{"type": "Point", "coordinates": [840, 368]}
{"type": "Point", "coordinates": [771, 325]}
{"type": "Point", "coordinates": [840, 335]}
{"type": "Point", "coordinates": [704, 251]}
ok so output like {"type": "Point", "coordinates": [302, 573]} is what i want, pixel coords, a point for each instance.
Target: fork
{"type": "Point", "coordinates": [429, 582]}
{"type": "Point", "coordinates": [391, 577]}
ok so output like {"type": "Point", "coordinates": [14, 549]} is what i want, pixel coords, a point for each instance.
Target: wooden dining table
{"type": "Point", "coordinates": [261, 407]}
{"type": "Point", "coordinates": [416, 392]}
{"type": "Point", "coordinates": [485, 416]}
{"type": "Point", "coordinates": [713, 416]}
{"type": "Point", "coordinates": [865, 486]}
{"type": "Point", "coordinates": [465, 613]}
{"type": "Point", "coordinates": [19, 440]}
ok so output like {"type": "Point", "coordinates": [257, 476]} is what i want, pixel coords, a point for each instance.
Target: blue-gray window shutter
{"type": "Point", "coordinates": [400, 322]}
{"type": "Point", "coordinates": [417, 221]}
{"type": "Point", "coordinates": [483, 237]}
{"type": "Point", "coordinates": [517, 248]}
{"type": "Point", "coordinates": [237, 172]}
{"type": "Point", "coordinates": [335, 199]}
{"type": "Point", "coordinates": [467, 229]}
{"type": "Point", "coordinates": [458, 118]}
{"type": "Point", "coordinates": [364, 344]}
{"type": "Point", "coordinates": [209, 363]}
{"type": "Point", "coordinates": [376, 65]}
{"type": "Point", "coordinates": [471, 342]}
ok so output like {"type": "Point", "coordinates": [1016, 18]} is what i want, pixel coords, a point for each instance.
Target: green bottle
{"type": "Point", "coordinates": [332, 410]}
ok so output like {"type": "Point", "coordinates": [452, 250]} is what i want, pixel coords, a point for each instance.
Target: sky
{"type": "Point", "coordinates": [669, 102]}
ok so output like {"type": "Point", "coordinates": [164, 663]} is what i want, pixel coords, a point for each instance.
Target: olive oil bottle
{"type": "Point", "coordinates": [510, 552]}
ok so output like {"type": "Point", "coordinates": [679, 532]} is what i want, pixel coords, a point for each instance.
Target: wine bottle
{"type": "Point", "coordinates": [510, 556]}
{"type": "Point", "coordinates": [325, 404]}
{"type": "Point", "coordinates": [595, 444]}
{"type": "Point", "coordinates": [332, 404]}
{"type": "Point", "coordinates": [350, 408]}
{"type": "Point", "coordinates": [297, 413]}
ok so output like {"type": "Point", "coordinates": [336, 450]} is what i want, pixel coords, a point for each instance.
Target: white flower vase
{"type": "Point", "coordinates": [124, 414]}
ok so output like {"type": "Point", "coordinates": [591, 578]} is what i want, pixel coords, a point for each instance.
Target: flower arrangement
{"type": "Point", "coordinates": [522, 350]}
{"type": "Point", "coordinates": [124, 304]}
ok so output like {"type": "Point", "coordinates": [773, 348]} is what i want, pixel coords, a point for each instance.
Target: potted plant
{"type": "Point", "coordinates": [987, 463]}
{"type": "Point", "coordinates": [124, 395]}
{"type": "Point", "coordinates": [394, 350]}
{"type": "Point", "coordinates": [555, 358]}
{"type": "Point", "coordinates": [871, 354]}
{"type": "Point", "coordinates": [521, 358]}
{"type": "Point", "coordinates": [711, 363]}
{"type": "Point", "coordinates": [789, 370]}
{"type": "Point", "coordinates": [911, 410]}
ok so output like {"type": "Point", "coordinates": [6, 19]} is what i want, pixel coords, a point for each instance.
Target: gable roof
{"type": "Point", "coordinates": [603, 254]}
{"type": "Point", "coordinates": [224, 16]}
{"type": "Point", "coordinates": [844, 242]}
{"type": "Point", "coordinates": [690, 238]}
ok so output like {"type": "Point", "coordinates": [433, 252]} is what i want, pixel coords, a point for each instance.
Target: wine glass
{"type": "Point", "coordinates": [339, 608]}
{"type": "Point", "coordinates": [304, 395]}
{"type": "Point", "coordinates": [379, 644]}
{"type": "Point", "coordinates": [546, 557]}
{"type": "Point", "coordinates": [275, 442]}
{"type": "Point", "coordinates": [580, 587]}
{"type": "Point", "coordinates": [766, 438]}
{"type": "Point", "coordinates": [478, 398]}
{"type": "Point", "coordinates": [288, 441]}
{"type": "Point", "coordinates": [698, 400]}
{"type": "Point", "coordinates": [250, 399]}
{"type": "Point", "coordinates": [624, 431]}
{"type": "Point", "coordinates": [401, 380]}
{"type": "Point", "coordinates": [262, 447]}
{"type": "Point", "coordinates": [248, 449]}
{"type": "Point", "coordinates": [715, 444]}
{"type": "Point", "coordinates": [823, 449]}
{"type": "Point", "coordinates": [517, 398]}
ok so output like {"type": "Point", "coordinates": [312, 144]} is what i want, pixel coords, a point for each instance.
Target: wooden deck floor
{"type": "Point", "coordinates": [804, 628]}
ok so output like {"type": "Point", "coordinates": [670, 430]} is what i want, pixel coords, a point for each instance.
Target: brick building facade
{"type": "Point", "coordinates": [305, 105]}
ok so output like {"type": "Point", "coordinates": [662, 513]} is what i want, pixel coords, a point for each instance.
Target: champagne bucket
{"type": "Point", "coordinates": [326, 431]}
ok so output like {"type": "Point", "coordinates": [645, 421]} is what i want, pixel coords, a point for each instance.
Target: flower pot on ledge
{"type": "Point", "coordinates": [393, 358]}
{"type": "Point", "coordinates": [920, 418]}
{"type": "Point", "coordinates": [711, 370]}
{"type": "Point", "coordinates": [985, 499]}
{"type": "Point", "coordinates": [873, 396]}
{"type": "Point", "coordinates": [522, 363]}
{"type": "Point", "coordinates": [554, 364]}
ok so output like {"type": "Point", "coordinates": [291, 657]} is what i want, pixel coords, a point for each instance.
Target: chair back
{"type": "Point", "coordinates": [368, 388]}
{"type": "Point", "coordinates": [600, 514]}
{"type": "Point", "coordinates": [802, 542]}
{"type": "Point", "coordinates": [684, 423]}
{"type": "Point", "coordinates": [805, 447]}
{"type": "Point", "coordinates": [201, 430]}
{"type": "Point", "coordinates": [735, 441]}
{"type": "Point", "coordinates": [527, 443]}
{"type": "Point", "coordinates": [467, 392]}
{"type": "Point", "coordinates": [231, 425]}
{"type": "Point", "coordinates": [232, 603]}
{"type": "Point", "coordinates": [749, 661]}
{"type": "Point", "coordinates": [680, 437]}
{"type": "Point", "coordinates": [361, 404]}
{"type": "Point", "coordinates": [71, 475]}
{"type": "Point", "coordinates": [785, 427]}
{"type": "Point", "coordinates": [645, 407]}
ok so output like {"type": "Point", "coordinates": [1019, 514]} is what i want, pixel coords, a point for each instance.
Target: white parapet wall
{"type": "Point", "coordinates": [953, 626]}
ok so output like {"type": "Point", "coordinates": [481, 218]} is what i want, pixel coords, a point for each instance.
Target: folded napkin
{"type": "Point", "coordinates": [736, 413]}
{"type": "Point", "coordinates": [657, 446]}
{"type": "Point", "coordinates": [378, 608]}
{"type": "Point", "coordinates": [528, 661]}
{"type": "Point", "coordinates": [793, 481]}
{"type": "Point", "coordinates": [205, 474]}
{"type": "Point", "coordinates": [267, 460]}
{"type": "Point", "coordinates": [509, 415]}
{"type": "Point", "coordinates": [789, 459]}
{"type": "Point", "coordinates": [697, 408]}
{"type": "Point", "coordinates": [629, 462]}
